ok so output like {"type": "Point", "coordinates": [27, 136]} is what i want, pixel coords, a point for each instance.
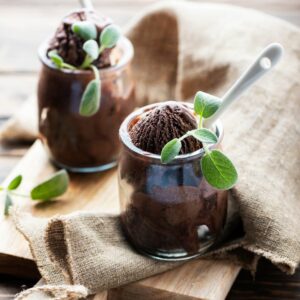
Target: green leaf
{"type": "Point", "coordinates": [53, 187]}
{"type": "Point", "coordinates": [8, 203]}
{"type": "Point", "coordinates": [218, 170]}
{"type": "Point", "coordinates": [110, 36]}
{"type": "Point", "coordinates": [90, 101]}
{"type": "Point", "coordinates": [170, 150]}
{"type": "Point", "coordinates": [15, 183]}
{"type": "Point", "coordinates": [56, 59]}
{"type": "Point", "coordinates": [206, 105]}
{"type": "Point", "coordinates": [205, 136]}
{"type": "Point", "coordinates": [85, 29]}
{"type": "Point", "coordinates": [91, 48]}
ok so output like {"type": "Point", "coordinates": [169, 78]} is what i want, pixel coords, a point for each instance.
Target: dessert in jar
{"type": "Point", "coordinates": [77, 142]}
{"type": "Point", "coordinates": [168, 211]}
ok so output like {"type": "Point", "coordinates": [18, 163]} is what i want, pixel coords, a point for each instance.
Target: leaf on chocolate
{"type": "Point", "coordinates": [204, 135]}
{"type": "Point", "coordinates": [170, 150]}
{"type": "Point", "coordinates": [55, 58]}
{"type": "Point", "coordinates": [91, 48]}
{"type": "Point", "coordinates": [110, 36]}
{"type": "Point", "coordinates": [218, 170]}
{"type": "Point", "coordinates": [14, 184]}
{"type": "Point", "coordinates": [8, 203]}
{"type": "Point", "coordinates": [85, 29]}
{"type": "Point", "coordinates": [206, 105]}
{"type": "Point", "coordinates": [53, 187]}
{"type": "Point", "coordinates": [90, 101]}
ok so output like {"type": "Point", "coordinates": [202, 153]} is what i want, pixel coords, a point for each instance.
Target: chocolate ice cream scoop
{"type": "Point", "coordinates": [69, 45]}
{"type": "Point", "coordinates": [162, 124]}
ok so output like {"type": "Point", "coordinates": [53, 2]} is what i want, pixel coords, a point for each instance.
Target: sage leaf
{"type": "Point", "coordinates": [8, 203]}
{"type": "Point", "coordinates": [85, 29]}
{"type": "Point", "coordinates": [110, 36]}
{"type": "Point", "coordinates": [90, 101]}
{"type": "Point", "coordinates": [205, 136]}
{"type": "Point", "coordinates": [91, 48]}
{"type": "Point", "coordinates": [53, 187]}
{"type": "Point", "coordinates": [218, 170]}
{"type": "Point", "coordinates": [55, 58]}
{"type": "Point", "coordinates": [15, 183]}
{"type": "Point", "coordinates": [206, 105]}
{"type": "Point", "coordinates": [170, 150]}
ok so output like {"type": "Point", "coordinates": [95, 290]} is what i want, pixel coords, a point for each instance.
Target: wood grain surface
{"type": "Point", "coordinates": [199, 279]}
{"type": "Point", "coordinates": [23, 25]}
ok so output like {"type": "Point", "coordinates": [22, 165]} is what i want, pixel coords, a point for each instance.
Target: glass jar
{"type": "Point", "coordinates": [168, 211]}
{"type": "Point", "coordinates": [75, 142]}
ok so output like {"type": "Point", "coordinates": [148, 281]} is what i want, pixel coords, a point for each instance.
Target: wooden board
{"type": "Point", "coordinates": [98, 192]}
{"type": "Point", "coordinates": [18, 79]}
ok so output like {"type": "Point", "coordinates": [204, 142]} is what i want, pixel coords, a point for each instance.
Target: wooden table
{"type": "Point", "coordinates": [20, 37]}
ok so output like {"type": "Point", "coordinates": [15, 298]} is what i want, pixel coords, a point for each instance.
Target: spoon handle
{"type": "Point", "coordinates": [265, 61]}
{"type": "Point", "coordinates": [86, 4]}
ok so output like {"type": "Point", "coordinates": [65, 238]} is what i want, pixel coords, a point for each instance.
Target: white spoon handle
{"type": "Point", "coordinates": [87, 4]}
{"type": "Point", "coordinates": [266, 60]}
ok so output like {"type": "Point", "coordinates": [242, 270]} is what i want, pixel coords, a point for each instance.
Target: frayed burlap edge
{"type": "Point", "coordinates": [59, 292]}
{"type": "Point", "coordinates": [284, 264]}
{"type": "Point", "coordinates": [63, 222]}
{"type": "Point", "coordinates": [62, 292]}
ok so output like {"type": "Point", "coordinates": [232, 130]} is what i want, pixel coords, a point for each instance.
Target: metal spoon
{"type": "Point", "coordinates": [265, 61]}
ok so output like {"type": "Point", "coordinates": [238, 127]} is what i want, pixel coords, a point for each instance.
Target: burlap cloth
{"type": "Point", "coordinates": [180, 48]}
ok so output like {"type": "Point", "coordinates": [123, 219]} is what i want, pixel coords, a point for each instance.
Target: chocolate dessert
{"type": "Point", "coordinates": [74, 141]}
{"type": "Point", "coordinates": [163, 124]}
{"type": "Point", "coordinates": [70, 46]}
{"type": "Point", "coordinates": [168, 211]}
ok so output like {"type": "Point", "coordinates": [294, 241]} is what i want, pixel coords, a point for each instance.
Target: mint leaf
{"type": "Point", "coordinates": [55, 58]}
{"type": "Point", "coordinates": [53, 187]}
{"type": "Point", "coordinates": [170, 150]}
{"type": "Point", "coordinates": [90, 101]}
{"type": "Point", "coordinates": [205, 136]}
{"type": "Point", "coordinates": [91, 48]}
{"type": "Point", "coordinates": [206, 105]}
{"type": "Point", "coordinates": [85, 29]}
{"type": "Point", "coordinates": [15, 183]}
{"type": "Point", "coordinates": [218, 170]}
{"type": "Point", "coordinates": [8, 203]}
{"type": "Point", "coordinates": [109, 36]}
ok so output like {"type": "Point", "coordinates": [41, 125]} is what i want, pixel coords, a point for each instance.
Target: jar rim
{"type": "Point", "coordinates": [124, 44]}
{"type": "Point", "coordinates": [127, 142]}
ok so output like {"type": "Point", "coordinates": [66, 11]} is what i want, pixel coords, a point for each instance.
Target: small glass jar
{"type": "Point", "coordinates": [168, 211]}
{"type": "Point", "coordinates": [75, 142]}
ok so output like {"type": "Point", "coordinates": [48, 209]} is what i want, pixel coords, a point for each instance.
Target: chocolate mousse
{"type": "Point", "coordinates": [168, 210]}
{"type": "Point", "coordinates": [70, 46]}
{"type": "Point", "coordinates": [164, 123]}
{"type": "Point", "coordinates": [76, 142]}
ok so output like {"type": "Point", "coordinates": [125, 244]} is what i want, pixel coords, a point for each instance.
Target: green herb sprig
{"type": "Point", "coordinates": [91, 97]}
{"type": "Point", "coordinates": [217, 168]}
{"type": "Point", "coordinates": [55, 186]}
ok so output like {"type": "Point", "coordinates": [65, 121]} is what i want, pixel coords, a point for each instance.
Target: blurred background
{"type": "Point", "coordinates": [25, 23]}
